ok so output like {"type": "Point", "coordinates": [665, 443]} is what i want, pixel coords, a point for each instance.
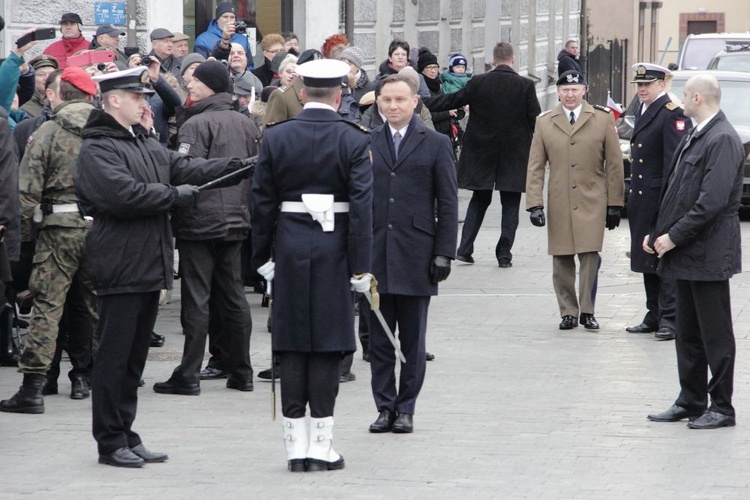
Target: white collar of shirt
{"type": "Point", "coordinates": [132, 132]}
{"type": "Point", "coordinates": [645, 106]}
{"type": "Point", "coordinates": [576, 112]}
{"type": "Point", "coordinates": [402, 131]}
{"type": "Point", "coordinates": [704, 122]}
{"type": "Point", "coordinates": [318, 105]}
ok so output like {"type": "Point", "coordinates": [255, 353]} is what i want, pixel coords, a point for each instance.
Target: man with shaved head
{"type": "Point", "coordinates": [697, 239]}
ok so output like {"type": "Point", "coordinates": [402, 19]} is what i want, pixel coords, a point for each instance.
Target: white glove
{"type": "Point", "coordinates": [266, 270]}
{"type": "Point", "coordinates": [362, 284]}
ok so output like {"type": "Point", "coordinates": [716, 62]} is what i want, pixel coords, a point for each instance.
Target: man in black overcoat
{"type": "Point", "coordinates": [659, 126]}
{"type": "Point", "coordinates": [415, 221]}
{"type": "Point", "coordinates": [697, 239]}
{"type": "Point", "coordinates": [495, 152]}
{"type": "Point", "coordinates": [312, 231]}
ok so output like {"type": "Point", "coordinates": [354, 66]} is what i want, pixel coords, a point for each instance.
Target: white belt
{"type": "Point", "coordinates": [65, 208]}
{"type": "Point", "coordinates": [297, 207]}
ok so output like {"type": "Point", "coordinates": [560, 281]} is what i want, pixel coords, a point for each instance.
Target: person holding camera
{"type": "Point", "coordinates": [223, 31]}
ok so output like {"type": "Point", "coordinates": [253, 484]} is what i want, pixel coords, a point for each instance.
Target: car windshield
{"type": "Point", "coordinates": [698, 53]}
{"type": "Point", "coordinates": [732, 62]}
{"type": "Point", "coordinates": [734, 99]}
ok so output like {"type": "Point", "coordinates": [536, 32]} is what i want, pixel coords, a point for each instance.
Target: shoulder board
{"type": "Point", "coordinates": [544, 112]}
{"type": "Point", "coordinates": [602, 108]}
{"type": "Point", "coordinates": [358, 126]}
{"type": "Point", "coordinates": [284, 88]}
{"type": "Point", "coordinates": [671, 106]}
{"type": "Point", "coordinates": [276, 123]}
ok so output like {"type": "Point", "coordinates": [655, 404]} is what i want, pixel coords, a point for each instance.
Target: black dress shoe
{"type": "Point", "coordinates": [404, 424]}
{"type": "Point", "coordinates": [568, 322]}
{"type": "Point", "coordinates": [366, 356]}
{"type": "Point", "coordinates": [297, 465]}
{"type": "Point", "coordinates": [79, 388]}
{"type": "Point", "coordinates": [122, 457]}
{"type": "Point", "coordinates": [172, 387]}
{"type": "Point", "coordinates": [642, 328]}
{"type": "Point", "coordinates": [315, 465]}
{"type": "Point", "coordinates": [148, 456]}
{"type": "Point", "coordinates": [240, 384]}
{"type": "Point", "coordinates": [665, 333]}
{"type": "Point", "coordinates": [674, 414]}
{"type": "Point", "coordinates": [266, 374]}
{"type": "Point", "coordinates": [712, 420]}
{"type": "Point", "coordinates": [429, 356]}
{"type": "Point", "coordinates": [157, 340]}
{"type": "Point", "coordinates": [211, 373]}
{"type": "Point", "coordinates": [465, 258]}
{"type": "Point", "coordinates": [588, 321]}
{"type": "Point", "coordinates": [347, 377]}
{"type": "Point", "coordinates": [384, 422]}
{"type": "Point", "coordinates": [504, 264]}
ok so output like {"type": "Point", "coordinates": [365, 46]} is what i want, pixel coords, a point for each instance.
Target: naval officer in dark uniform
{"type": "Point", "coordinates": [659, 126]}
{"type": "Point", "coordinates": [312, 227]}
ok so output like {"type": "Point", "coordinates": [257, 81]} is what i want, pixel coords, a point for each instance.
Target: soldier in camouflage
{"type": "Point", "coordinates": [48, 198]}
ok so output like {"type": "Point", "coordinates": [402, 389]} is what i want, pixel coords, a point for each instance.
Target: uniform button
{"type": "Point", "coordinates": [640, 161]}
{"type": "Point", "coordinates": [572, 143]}
{"type": "Point", "coordinates": [391, 200]}
{"type": "Point", "coordinates": [640, 192]}
{"type": "Point", "coordinates": [640, 177]}
{"type": "Point", "coordinates": [575, 208]}
{"type": "Point", "coordinates": [574, 186]}
{"type": "Point", "coordinates": [630, 191]}
{"type": "Point", "coordinates": [640, 145]}
{"type": "Point", "coordinates": [393, 174]}
{"type": "Point", "coordinates": [572, 164]}
{"type": "Point", "coordinates": [390, 226]}
{"type": "Point", "coordinates": [632, 143]}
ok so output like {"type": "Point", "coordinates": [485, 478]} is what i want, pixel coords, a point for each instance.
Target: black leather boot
{"type": "Point", "coordinates": [8, 352]}
{"type": "Point", "coordinates": [29, 397]}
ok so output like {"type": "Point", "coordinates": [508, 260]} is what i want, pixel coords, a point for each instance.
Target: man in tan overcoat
{"type": "Point", "coordinates": [585, 193]}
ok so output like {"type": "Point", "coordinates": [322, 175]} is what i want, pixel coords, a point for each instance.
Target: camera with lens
{"type": "Point", "coordinates": [101, 67]}
{"type": "Point", "coordinates": [240, 28]}
{"type": "Point", "coordinates": [146, 60]}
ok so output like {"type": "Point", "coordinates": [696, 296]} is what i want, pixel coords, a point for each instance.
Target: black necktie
{"type": "Point", "coordinates": [572, 118]}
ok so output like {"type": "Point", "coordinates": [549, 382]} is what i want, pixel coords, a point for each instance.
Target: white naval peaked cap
{"type": "Point", "coordinates": [323, 72]}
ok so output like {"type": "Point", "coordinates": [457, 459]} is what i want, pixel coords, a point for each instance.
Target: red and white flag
{"type": "Point", "coordinates": [614, 107]}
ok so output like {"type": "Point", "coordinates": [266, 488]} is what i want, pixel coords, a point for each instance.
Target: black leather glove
{"type": "Point", "coordinates": [440, 268]}
{"type": "Point", "coordinates": [613, 217]}
{"type": "Point", "coordinates": [537, 216]}
{"type": "Point", "coordinates": [185, 194]}
{"type": "Point", "coordinates": [249, 162]}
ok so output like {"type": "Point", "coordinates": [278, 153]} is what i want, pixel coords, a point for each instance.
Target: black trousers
{"type": "Point", "coordinates": [705, 339]}
{"type": "Point", "coordinates": [409, 315]}
{"type": "Point", "coordinates": [660, 301]}
{"type": "Point", "coordinates": [363, 330]}
{"type": "Point", "coordinates": [218, 342]}
{"type": "Point", "coordinates": [211, 266]}
{"type": "Point", "coordinates": [309, 378]}
{"type": "Point", "coordinates": [125, 325]}
{"type": "Point", "coordinates": [75, 335]}
{"type": "Point", "coordinates": [480, 201]}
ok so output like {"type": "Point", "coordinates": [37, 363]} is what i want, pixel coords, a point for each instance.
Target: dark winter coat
{"type": "Point", "coordinates": [213, 129]}
{"type": "Point", "coordinates": [406, 194]}
{"type": "Point", "coordinates": [502, 114]}
{"type": "Point", "coordinates": [700, 203]}
{"type": "Point", "coordinates": [315, 152]}
{"type": "Point", "coordinates": [566, 62]}
{"type": "Point", "coordinates": [124, 182]}
{"type": "Point", "coordinates": [655, 137]}
{"type": "Point", "coordinates": [9, 204]}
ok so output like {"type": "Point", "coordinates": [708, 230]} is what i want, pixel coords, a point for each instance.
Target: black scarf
{"type": "Point", "coordinates": [433, 84]}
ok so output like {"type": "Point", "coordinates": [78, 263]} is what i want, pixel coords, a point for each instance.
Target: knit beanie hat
{"type": "Point", "coordinates": [214, 75]}
{"type": "Point", "coordinates": [425, 58]}
{"type": "Point", "coordinates": [223, 8]}
{"type": "Point", "coordinates": [353, 54]}
{"type": "Point", "coordinates": [190, 59]}
{"type": "Point", "coordinates": [457, 60]}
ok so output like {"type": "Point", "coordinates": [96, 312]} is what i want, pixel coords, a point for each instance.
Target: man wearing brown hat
{"type": "Point", "coordinates": [180, 44]}
{"type": "Point", "coordinates": [43, 65]}
{"type": "Point", "coordinates": [210, 233]}
{"type": "Point", "coordinates": [585, 193]}
{"type": "Point", "coordinates": [72, 39]}
{"type": "Point", "coordinates": [48, 199]}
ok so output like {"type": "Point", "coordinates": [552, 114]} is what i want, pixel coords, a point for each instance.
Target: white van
{"type": "Point", "coordinates": [698, 50]}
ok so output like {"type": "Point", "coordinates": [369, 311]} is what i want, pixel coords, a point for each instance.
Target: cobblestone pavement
{"type": "Point", "coordinates": [511, 408]}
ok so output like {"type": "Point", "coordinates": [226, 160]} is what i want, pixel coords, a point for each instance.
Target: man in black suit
{"type": "Point", "coordinates": [496, 145]}
{"type": "Point", "coordinates": [414, 179]}
{"type": "Point", "coordinates": [315, 164]}
{"type": "Point", "coordinates": [697, 239]}
{"type": "Point", "coordinates": [659, 126]}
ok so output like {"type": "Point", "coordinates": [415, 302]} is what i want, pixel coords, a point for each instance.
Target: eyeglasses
{"type": "Point", "coordinates": [432, 67]}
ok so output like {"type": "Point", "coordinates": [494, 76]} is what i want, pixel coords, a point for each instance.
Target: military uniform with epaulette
{"type": "Point", "coordinates": [659, 127]}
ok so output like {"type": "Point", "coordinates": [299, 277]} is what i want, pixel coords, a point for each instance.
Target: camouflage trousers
{"type": "Point", "coordinates": [60, 255]}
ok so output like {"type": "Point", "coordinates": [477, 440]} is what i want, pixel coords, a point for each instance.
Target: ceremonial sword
{"type": "Point", "coordinates": [386, 328]}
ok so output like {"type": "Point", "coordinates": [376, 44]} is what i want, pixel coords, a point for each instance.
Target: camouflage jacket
{"type": "Point", "coordinates": [47, 168]}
